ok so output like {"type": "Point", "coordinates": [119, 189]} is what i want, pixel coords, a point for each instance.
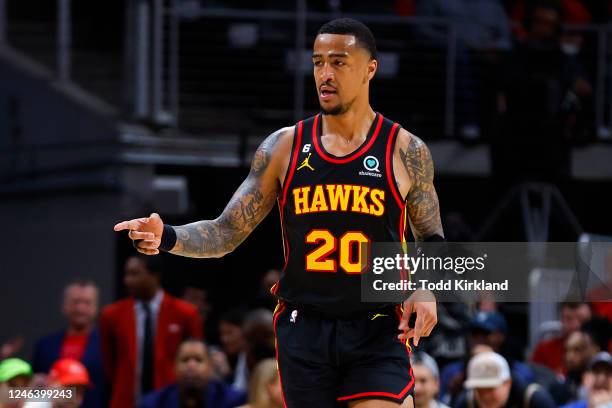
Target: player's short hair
{"type": "Point", "coordinates": [349, 26]}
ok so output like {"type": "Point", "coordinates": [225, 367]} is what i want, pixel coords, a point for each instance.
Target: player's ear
{"type": "Point", "coordinates": [372, 67]}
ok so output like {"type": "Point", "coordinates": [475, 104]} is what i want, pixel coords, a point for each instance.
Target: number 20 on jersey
{"type": "Point", "coordinates": [349, 251]}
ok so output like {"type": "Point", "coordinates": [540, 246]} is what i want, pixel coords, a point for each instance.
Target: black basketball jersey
{"type": "Point", "coordinates": [330, 207]}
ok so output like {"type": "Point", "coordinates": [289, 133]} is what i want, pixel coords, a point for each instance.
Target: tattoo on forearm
{"type": "Point", "coordinates": [422, 200]}
{"type": "Point", "coordinates": [250, 204]}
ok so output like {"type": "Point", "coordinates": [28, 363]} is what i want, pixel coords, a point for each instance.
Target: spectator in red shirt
{"type": "Point", "coordinates": [550, 352]}
{"type": "Point", "coordinates": [79, 340]}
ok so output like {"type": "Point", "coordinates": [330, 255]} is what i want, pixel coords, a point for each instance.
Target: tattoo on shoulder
{"type": "Point", "coordinates": [263, 154]}
{"type": "Point", "coordinates": [249, 205]}
{"type": "Point", "coordinates": [422, 200]}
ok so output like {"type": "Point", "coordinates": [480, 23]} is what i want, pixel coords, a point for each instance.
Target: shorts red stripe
{"type": "Point", "coordinates": [380, 393]}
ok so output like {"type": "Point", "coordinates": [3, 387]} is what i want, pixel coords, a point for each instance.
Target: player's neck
{"type": "Point", "coordinates": [354, 123]}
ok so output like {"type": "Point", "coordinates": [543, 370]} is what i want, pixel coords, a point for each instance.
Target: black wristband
{"type": "Point", "coordinates": [168, 238]}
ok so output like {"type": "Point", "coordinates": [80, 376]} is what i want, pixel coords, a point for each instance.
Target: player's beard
{"type": "Point", "coordinates": [337, 110]}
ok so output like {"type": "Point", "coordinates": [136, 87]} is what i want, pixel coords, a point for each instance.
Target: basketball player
{"type": "Point", "coordinates": [342, 178]}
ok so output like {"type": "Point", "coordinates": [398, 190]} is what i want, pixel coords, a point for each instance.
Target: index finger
{"type": "Point", "coordinates": [406, 312]}
{"type": "Point", "coordinates": [418, 328]}
{"type": "Point", "coordinates": [131, 224]}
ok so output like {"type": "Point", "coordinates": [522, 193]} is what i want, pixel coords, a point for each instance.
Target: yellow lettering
{"type": "Point", "coordinates": [300, 199]}
{"type": "Point", "coordinates": [338, 194]}
{"type": "Point", "coordinates": [378, 197]}
{"type": "Point", "coordinates": [359, 201]}
{"type": "Point", "coordinates": [318, 200]}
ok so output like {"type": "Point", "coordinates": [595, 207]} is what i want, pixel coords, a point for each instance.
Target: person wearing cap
{"type": "Point", "coordinates": [487, 328]}
{"type": "Point", "coordinates": [68, 374]}
{"type": "Point", "coordinates": [427, 381]}
{"type": "Point", "coordinates": [490, 384]}
{"type": "Point", "coordinates": [15, 372]}
{"type": "Point", "coordinates": [597, 383]}
{"type": "Point", "coordinates": [79, 339]}
{"type": "Point", "coordinates": [194, 386]}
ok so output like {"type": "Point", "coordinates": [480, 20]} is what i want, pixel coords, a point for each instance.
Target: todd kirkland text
{"type": "Point", "coordinates": [460, 284]}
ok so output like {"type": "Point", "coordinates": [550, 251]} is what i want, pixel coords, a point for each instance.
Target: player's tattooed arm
{"type": "Point", "coordinates": [249, 205]}
{"type": "Point", "coordinates": [421, 198]}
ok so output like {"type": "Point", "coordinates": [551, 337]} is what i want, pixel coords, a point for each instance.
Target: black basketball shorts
{"type": "Point", "coordinates": [325, 362]}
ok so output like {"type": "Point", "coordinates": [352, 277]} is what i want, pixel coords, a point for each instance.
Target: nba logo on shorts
{"type": "Point", "coordinates": [293, 317]}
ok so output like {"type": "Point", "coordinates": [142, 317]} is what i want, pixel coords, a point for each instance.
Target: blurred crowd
{"type": "Point", "coordinates": [525, 73]}
{"type": "Point", "coordinates": [152, 349]}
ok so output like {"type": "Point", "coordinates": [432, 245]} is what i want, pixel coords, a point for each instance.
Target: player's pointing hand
{"type": "Point", "coordinates": [144, 232]}
{"type": "Point", "coordinates": [423, 303]}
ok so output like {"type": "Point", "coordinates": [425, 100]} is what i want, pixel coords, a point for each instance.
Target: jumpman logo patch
{"type": "Point", "coordinates": [306, 163]}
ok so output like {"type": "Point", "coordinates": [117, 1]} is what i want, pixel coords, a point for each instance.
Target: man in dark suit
{"type": "Point", "coordinates": [79, 340]}
{"type": "Point", "coordinates": [140, 334]}
{"type": "Point", "coordinates": [193, 387]}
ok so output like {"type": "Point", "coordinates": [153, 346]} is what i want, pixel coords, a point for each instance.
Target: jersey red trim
{"type": "Point", "coordinates": [292, 163]}
{"type": "Point", "coordinates": [402, 229]}
{"type": "Point", "coordinates": [281, 203]}
{"type": "Point", "coordinates": [281, 211]}
{"type": "Point", "coordinates": [350, 157]}
{"type": "Point", "coordinates": [389, 167]}
{"type": "Point", "coordinates": [286, 248]}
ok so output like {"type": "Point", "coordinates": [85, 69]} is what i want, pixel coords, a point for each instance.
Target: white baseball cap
{"type": "Point", "coordinates": [487, 370]}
